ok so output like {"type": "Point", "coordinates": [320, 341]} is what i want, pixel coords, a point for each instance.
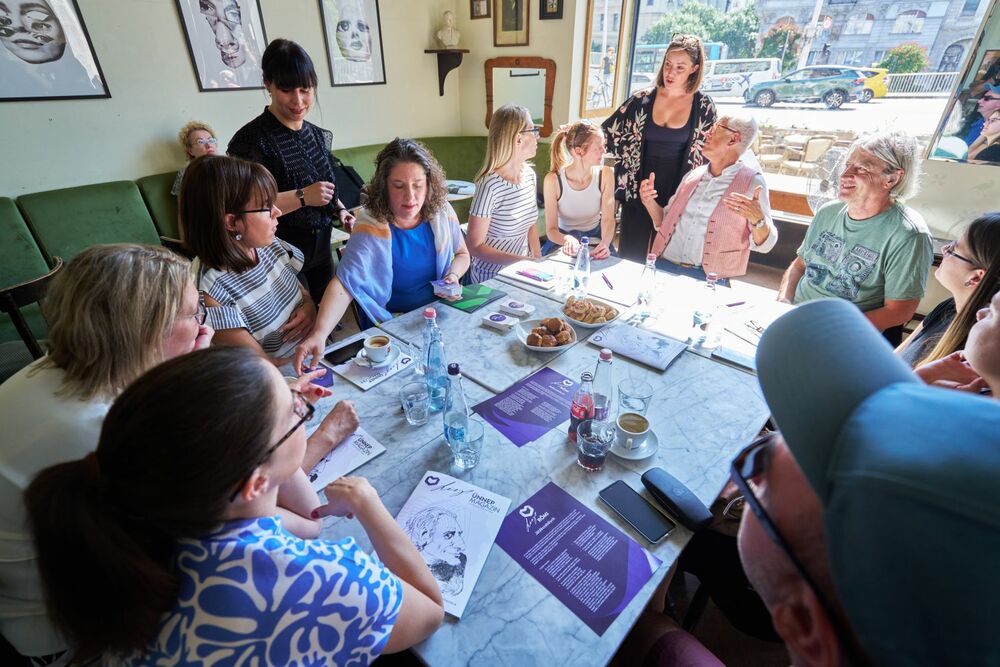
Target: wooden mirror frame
{"type": "Point", "coordinates": [531, 62]}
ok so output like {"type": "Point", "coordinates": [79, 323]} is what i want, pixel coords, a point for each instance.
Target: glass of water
{"type": "Point", "coordinates": [634, 396]}
{"type": "Point", "coordinates": [416, 403]}
{"type": "Point", "coordinates": [467, 444]}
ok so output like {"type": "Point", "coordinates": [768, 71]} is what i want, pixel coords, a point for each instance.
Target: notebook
{"type": "Point", "coordinates": [639, 345]}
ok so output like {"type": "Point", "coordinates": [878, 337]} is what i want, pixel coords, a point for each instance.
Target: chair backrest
{"type": "Point", "coordinates": [162, 205]}
{"type": "Point", "coordinates": [20, 261]}
{"type": "Point", "coordinates": [16, 297]}
{"type": "Point", "coordinates": [64, 222]}
{"type": "Point", "coordinates": [815, 148]}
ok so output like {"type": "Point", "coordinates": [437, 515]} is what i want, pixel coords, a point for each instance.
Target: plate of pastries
{"type": "Point", "coordinates": [589, 313]}
{"type": "Point", "coordinates": [546, 335]}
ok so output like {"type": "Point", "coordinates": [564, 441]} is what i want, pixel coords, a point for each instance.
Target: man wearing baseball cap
{"type": "Point", "coordinates": [874, 525]}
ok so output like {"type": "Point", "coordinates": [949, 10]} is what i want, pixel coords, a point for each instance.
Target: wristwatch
{"type": "Point", "coordinates": [760, 224]}
{"type": "Point", "coordinates": [302, 197]}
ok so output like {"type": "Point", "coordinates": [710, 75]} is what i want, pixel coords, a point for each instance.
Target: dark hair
{"type": "Point", "coordinates": [695, 50]}
{"type": "Point", "coordinates": [286, 65]}
{"type": "Point", "coordinates": [172, 448]}
{"type": "Point", "coordinates": [983, 238]}
{"type": "Point", "coordinates": [213, 186]}
{"type": "Point", "coordinates": [396, 152]}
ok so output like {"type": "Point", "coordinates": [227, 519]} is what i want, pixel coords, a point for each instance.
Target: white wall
{"type": "Point", "coordinates": [143, 52]}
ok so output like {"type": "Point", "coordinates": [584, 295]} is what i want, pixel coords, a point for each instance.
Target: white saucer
{"type": "Point", "coordinates": [361, 359]}
{"type": "Point", "coordinates": [648, 448]}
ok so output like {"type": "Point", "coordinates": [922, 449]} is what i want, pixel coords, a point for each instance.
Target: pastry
{"type": "Point", "coordinates": [553, 324]}
{"type": "Point", "coordinates": [564, 337]}
{"type": "Point", "coordinates": [533, 339]}
{"type": "Point", "coordinates": [549, 341]}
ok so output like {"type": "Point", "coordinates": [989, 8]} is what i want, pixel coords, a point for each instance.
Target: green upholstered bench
{"type": "Point", "coordinates": [162, 205]}
{"type": "Point", "coordinates": [20, 261]}
{"type": "Point", "coordinates": [64, 222]}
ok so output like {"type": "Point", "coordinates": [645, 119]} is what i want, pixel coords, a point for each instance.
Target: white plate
{"type": "Point", "coordinates": [362, 360]}
{"type": "Point", "coordinates": [524, 328]}
{"type": "Point", "coordinates": [649, 447]}
{"type": "Point", "coordinates": [593, 325]}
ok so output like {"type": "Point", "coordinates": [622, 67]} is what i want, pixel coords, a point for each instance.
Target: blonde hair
{"type": "Point", "coordinates": [506, 123]}
{"type": "Point", "coordinates": [569, 138]}
{"type": "Point", "coordinates": [695, 50]}
{"type": "Point", "coordinates": [189, 127]}
{"type": "Point", "coordinates": [109, 310]}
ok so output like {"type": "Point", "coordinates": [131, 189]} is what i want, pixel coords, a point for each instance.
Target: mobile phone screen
{"type": "Point", "coordinates": [629, 505]}
{"type": "Point", "coordinates": [345, 353]}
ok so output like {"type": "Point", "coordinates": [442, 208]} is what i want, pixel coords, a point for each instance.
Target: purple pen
{"type": "Point", "coordinates": [607, 282]}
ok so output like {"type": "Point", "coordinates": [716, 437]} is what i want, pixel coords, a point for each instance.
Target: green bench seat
{"type": "Point", "coordinates": [20, 260]}
{"type": "Point", "coordinates": [162, 205]}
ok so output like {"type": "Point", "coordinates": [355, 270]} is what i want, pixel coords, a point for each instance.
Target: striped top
{"type": "Point", "coordinates": [260, 299]}
{"type": "Point", "coordinates": [512, 210]}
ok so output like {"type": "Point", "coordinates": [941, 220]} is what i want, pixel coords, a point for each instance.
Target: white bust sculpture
{"type": "Point", "coordinates": [448, 36]}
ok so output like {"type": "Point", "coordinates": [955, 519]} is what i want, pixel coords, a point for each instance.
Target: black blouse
{"type": "Point", "coordinates": [296, 159]}
{"type": "Point", "coordinates": [934, 325]}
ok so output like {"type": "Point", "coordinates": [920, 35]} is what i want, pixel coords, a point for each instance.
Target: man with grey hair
{"type": "Point", "coordinates": [867, 247]}
{"type": "Point", "coordinates": [720, 211]}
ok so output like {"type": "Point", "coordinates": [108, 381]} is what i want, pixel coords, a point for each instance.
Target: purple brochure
{"type": "Point", "coordinates": [589, 565]}
{"type": "Point", "coordinates": [529, 409]}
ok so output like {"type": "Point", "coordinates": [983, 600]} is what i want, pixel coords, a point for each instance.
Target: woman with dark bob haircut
{"type": "Point", "coordinates": [406, 235]}
{"type": "Point", "coordinates": [297, 153]}
{"type": "Point", "coordinates": [250, 277]}
{"type": "Point", "coordinates": [165, 544]}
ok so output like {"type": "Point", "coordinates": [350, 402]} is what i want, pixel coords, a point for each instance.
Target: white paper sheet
{"type": "Point", "coordinates": [359, 447]}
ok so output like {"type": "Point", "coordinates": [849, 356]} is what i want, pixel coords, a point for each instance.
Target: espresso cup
{"type": "Point", "coordinates": [377, 348]}
{"type": "Point", "coordinates": [631, 429]}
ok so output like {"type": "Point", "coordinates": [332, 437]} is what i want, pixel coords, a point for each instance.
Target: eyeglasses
{"type": "Point", "coordinates": [255, 210]}
{"type": "Point", "coordinates": [533, 130]}
{"type": "Point", "coordinates": [949, 249]}
{"type": "Point", "coordinates": [211, 141]}
{"type": "Point", "coordinates": [201, 314]}
{"type": "Point", "coordinates": [304, 410]}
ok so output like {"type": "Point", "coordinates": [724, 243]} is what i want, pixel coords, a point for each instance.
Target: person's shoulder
{"type": "Point", "coordinates": [943, 311]}
{"type": "Point", "coordinates": [910, 222]}
{"type": "Point", "coordinates": [829, 211]}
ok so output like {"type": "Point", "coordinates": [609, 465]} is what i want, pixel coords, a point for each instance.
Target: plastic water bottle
{"type": "Point", "coordinates": [582, 407]}
{"type": "Point", "coordinates": [430, 326]}
{"type": "Point", "coordinates": [456, 412]}
{"type": "Point", "coordinates": [647, 283]}
{"type": "Point", "coordinates": [604, 386]}
{"type": "Point", "coordinates": [581, 270]}
{"type": "Point", "coordinates": [434, 373]}
{"type": "Point", "coordinates": [702, 332]}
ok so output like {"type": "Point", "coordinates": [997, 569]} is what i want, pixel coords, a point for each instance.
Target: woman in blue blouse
{"type": "Point", "coordinates": [164, 545]}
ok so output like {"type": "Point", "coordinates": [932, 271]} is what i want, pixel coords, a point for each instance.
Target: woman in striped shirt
{"type": "Point", "coordinates": [505, 209]}
{"type": "Point", "coordinates": [250, 278]}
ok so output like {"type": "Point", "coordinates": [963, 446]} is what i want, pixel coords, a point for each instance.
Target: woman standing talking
{"type": "Point", "coordinates": [297, 153]}
{"type": "Point", "coordinates": [659, 131]}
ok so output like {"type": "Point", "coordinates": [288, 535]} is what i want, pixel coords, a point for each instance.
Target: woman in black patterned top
{"type": "Point", "coordinates": [297, 153]}
{"type": "Point", "coordinates": [661, 131]}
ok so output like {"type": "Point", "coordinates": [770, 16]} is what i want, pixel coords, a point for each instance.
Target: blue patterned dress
{"type": "Point", "coordinates": [253, 594]}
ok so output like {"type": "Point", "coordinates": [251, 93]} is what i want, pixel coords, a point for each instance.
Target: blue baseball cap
{"type": "Point", "coordinates": [908, 476]}
{"type": "Point", "coordinates": [990, 88]}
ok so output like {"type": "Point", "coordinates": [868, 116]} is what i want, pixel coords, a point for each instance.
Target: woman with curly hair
{"type": "Point", "coordinates": [405, 236]}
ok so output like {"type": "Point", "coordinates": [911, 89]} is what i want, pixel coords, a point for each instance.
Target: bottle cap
{"type": "Point", "coordinates": [453, 369]}
{"type": "Point", "coordinates": [430, 313]}
{"type": "Point", "coordinates": [584, 240]}
{"type": "Point", "coordinates": [587, 376]}
{"type": "Point", "coordinates": [651, 257]}
{"type": "Point", "coordinates": [605, 354]}
{"type": "Point", "coordinates": [712, 276]}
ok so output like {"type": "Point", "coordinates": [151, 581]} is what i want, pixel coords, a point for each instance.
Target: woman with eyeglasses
{"type": "Point", "coordinates": [250, 277]}
{"type": "Point", "coordinates": [175, 549]}
{"type": "Point", "coordinates": [970, 270]}
{"type": "Point", "coordinates": [114, 312]}
{"type": "Point", "coordinates": [504, 211]}
{"type": "Point", "coordinates": [197, 139]}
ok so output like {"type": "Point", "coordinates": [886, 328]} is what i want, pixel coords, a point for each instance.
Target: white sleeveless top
{"type": "Point", "coordinates": [580, 210]}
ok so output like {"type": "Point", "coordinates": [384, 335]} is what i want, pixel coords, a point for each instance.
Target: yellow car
{"type": "Point", "coordinates": [875, 85]}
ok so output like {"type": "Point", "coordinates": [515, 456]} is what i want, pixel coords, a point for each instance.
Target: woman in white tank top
{"type": "Point", "coordinates": [579, 191]}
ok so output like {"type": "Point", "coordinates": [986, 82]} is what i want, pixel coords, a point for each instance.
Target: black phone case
{"type": "Point", "coordinates": [677, 499]}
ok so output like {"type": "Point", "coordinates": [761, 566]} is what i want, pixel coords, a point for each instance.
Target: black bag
{"type": "Point", "coordinates": [349, 183]}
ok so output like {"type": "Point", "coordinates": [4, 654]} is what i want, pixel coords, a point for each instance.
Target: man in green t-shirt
{"type": "Point", "coordinates": [868, 248]}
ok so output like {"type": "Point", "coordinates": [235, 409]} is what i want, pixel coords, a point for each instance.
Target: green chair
{"type": "Point", "coordinates": [162, 205]}
{"type": "Point", "coordinates": [64, 222]}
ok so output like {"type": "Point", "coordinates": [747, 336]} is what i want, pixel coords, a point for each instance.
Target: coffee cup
{"type": "Point", "coordinates": [377, 348]}
{"type": "Point", "coordinates": [631, 429]}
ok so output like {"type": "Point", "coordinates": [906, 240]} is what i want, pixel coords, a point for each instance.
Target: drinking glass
{"type": "Point", "coordinates": [467, 444]}
{"type": "Point", "coordinates": [593, 440]}
{"type": "Point", "coordinates": [634, 396]}
{"type": "Point", "coordinates": [416, 403]}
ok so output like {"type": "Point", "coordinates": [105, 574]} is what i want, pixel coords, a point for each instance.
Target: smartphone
{"type": "Point", "coordinates": [344, 354]}
{"type": "Point", "coordinates": [636, 510]}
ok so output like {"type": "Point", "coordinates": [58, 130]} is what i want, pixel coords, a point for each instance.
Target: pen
{"type": "Point", "coordinates": [530, 275]}
{"type": "Point", "coordinates": [735, 303]}
{"type": "Point", "coordinates": [607, 282]}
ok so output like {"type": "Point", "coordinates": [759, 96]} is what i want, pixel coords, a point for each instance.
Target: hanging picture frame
{"type": "Point", "coordinates": [46, 53]}
{"type": "Point", "coordinates": [510, 22]}
{"type": "Point", "coordinates": [479, 9]}
{"type": "Point", "coordinates": [550, 9]}
{"type": "Point", "coordinates": [353, 33]}
{"type": "Point", "coordinates": [602, 58]}
{"type": "Point", "coordinates": [225, 40]}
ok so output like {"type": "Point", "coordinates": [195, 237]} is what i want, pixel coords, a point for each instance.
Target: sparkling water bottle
{"type": "Point", "coordinates": [581, 270]}
{"type": "Point", "coordinates": [604, 386]}
{"type": "Point", "coordinates": [456, 412]}
{"type": "Point", "coordinates": [430, 326]}
{"type": "Point", "coordinates": [582, 406]}
{"type": "Point", "coordinates": [702, 331]}
{"type": "Point", "coordinates": [647, 283]}
{"type": "Point", "coordinates": [434, 373]}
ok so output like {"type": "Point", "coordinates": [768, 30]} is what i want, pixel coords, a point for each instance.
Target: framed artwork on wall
{"type": "Point", "coordinates": [46, 54]}
{"type": "Point", "coordinates": [510, 22]}
{"type": "Point", "coordinates": [353, 33]}
{"type": "Point", "coordinates": [604, 37]}
{"type": "Point", "coordinates": [550, 9]}
{"type": "Point", "coordinates": [479, 9]}
{"type": "Point", "coordinates": [225, 39]}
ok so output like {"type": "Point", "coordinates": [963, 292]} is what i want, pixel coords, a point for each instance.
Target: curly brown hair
{"type": "Point", "coordinates": [396, 152]}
